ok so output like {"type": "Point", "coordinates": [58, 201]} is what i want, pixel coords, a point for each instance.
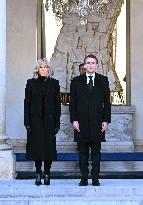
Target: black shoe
{"type": "Point", "coordinates": [38, 180]}
{"type": "Point", "coordinates": [46, 179]}
{"type": "Point", "coordinates": [95, 182]}
{"type": "Point", "coordinates": [83, 182]}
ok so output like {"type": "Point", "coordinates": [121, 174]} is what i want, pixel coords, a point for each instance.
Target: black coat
{"type": "Point", "coordinates": [41, 141]}
{"type": "Point", "coordinates": [90, 109]}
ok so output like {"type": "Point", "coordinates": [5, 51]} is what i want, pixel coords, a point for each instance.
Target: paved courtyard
{"type": "Point", "coordinates": [67, 191]}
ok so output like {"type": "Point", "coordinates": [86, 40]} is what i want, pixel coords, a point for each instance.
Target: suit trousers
{"type": "Point", "coordinates": [83, 148]}
{"type": "Point", "coordinates": [47, 166]}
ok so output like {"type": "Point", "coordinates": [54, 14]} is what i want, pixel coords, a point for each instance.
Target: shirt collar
{"type": "Point", "coordinates": [93, 75]}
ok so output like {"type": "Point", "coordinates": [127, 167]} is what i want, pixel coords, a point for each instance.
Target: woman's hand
{"type": "Point", "coordinates": [76, 126]}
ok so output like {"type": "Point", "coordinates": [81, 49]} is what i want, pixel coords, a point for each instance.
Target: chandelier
{"type": "Point", "coordinates": [81, 7]}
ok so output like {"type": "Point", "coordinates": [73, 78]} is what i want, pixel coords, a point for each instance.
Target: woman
{"type": "Point", "coordinates": [42, 110]}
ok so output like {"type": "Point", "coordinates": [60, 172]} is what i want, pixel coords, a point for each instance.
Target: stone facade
{"type": "Point", "coordinates": [76, 41]}
{"type": "Point", "coordinates": [21, 56]}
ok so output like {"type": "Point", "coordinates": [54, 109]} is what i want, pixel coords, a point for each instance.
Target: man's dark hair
{"type": "Point", "coordinates": [82, 64]}
{"type": "Point", "coordinates": [91, 56]}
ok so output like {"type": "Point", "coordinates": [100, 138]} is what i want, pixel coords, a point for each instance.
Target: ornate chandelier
{"type": "Point", "coordinates": [81, 7]}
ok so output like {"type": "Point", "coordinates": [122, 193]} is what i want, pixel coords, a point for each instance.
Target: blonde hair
{"type": "Point", "coordinates": [38, 64]}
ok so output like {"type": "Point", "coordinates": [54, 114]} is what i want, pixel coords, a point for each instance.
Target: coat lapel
{"type": "Point", "coordinates": [96, 80]}
{"type": "Point", "coordinates": [96, 83]}
{"type": "Point", "coordinates": [84, 81]}
{"type": "Point", "coordinates": [83, 84]}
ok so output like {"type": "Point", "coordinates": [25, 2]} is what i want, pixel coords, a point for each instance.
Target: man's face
{"type": "Point", "coordinates": [91, 65]}
{"type": "Point", "coordinates": [82, 70]}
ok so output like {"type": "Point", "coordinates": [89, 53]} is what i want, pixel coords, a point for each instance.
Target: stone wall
{"type": "Point", "coordinates": [21, 57]}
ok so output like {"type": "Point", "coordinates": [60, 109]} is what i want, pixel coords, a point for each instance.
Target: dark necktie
{"type": "Point", "coordinates": [90, 84]}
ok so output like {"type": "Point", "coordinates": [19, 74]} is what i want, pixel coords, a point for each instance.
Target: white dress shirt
{"type": "Point", "coordinates": [93, 77]}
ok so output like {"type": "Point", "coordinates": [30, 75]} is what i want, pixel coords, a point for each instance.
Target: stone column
{"type": "Point", "coordinates": [7, 157]}
{"type": "Point", "coordinates": [136, 66]}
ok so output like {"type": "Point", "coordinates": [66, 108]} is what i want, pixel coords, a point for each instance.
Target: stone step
{"type": "Point", "coordinates": [76, 175]}
{"type": "Point", "coordinates": [74, 201]}
{"type": "Point", "coordinates": [67, 192]}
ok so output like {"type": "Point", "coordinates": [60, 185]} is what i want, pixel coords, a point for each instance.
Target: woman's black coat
{"type": "Point", "coordinates": [41, 140]}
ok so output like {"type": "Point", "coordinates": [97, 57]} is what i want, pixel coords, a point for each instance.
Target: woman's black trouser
{"type": "Point", "coordinates": [47, 166]}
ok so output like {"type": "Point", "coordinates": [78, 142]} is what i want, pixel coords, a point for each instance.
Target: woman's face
{"type": "Point", "coordinates": [43, 70]}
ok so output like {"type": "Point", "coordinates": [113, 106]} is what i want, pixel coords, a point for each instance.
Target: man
{"type": "Point", "coordinates": [82, 69]}
{"type": "Point", "coordinates": [90, 113]}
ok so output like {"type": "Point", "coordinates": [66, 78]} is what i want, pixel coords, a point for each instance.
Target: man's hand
{"type": "Point", "coordinates": [104, 126]}
{"type": "Point", "coordinates": [76, 126]}
{"type": "Point", "coordinates": [28, 128]}
{"type": "Point", "coordinates": [56, 130]}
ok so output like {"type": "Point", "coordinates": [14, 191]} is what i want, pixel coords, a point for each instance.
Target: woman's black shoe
{"type": "Point", "coordinates": [38, 180]}
{"type": "Point", "coordinates": [46, 179]}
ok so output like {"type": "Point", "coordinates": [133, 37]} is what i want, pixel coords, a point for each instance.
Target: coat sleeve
{"type": "Point", "coordinates": [73, 102]}
{"type": "Point", "coordinates": [107, 104]}
{"type": "Point", "coordinates": [58, 105]}
{"type": "Point", "coordinates": [27, 104]}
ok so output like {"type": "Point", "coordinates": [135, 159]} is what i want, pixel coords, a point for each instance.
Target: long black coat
{"type": "Point", "coordinates": [41, 141]}
{"type": "Point", "coordinates": [90, 109]}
